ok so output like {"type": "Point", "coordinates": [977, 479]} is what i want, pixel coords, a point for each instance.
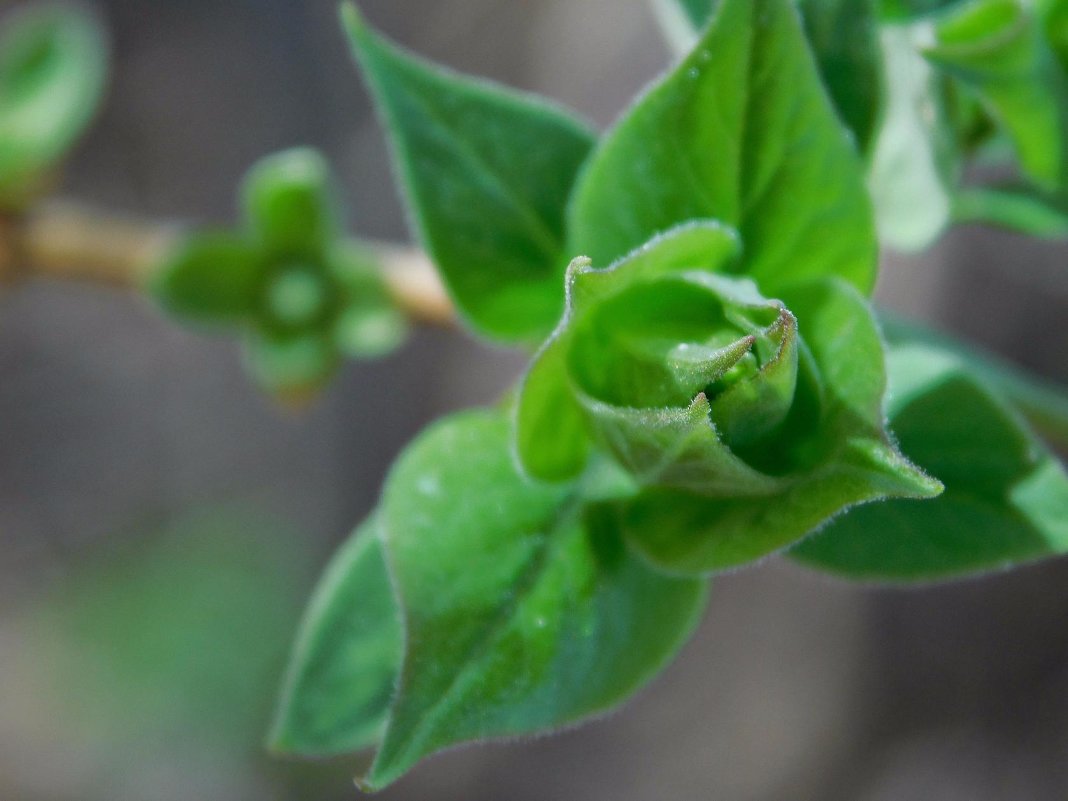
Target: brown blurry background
{"type": "Point", "coordinates": [161, 523]}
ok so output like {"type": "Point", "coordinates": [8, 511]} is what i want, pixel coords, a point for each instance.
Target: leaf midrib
{"type": "Point", "coordinates": [566, 513]}
{"type": "Point", "coordinates": [549, 243]}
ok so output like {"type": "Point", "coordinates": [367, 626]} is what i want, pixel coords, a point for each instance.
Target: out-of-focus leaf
{"type": "Point", "coordinates": [522, 612]}
{"type": "Point", "coordinates": [289, 205]}
{"type": "Point", "coordinates": [169, 645]}
{"type": "Point", "coordinates": [53, 69]}
{"type": "Point", "coordinates": [369, 324]}
{"type": "Point", "coordinates": [292, 366]}
{"type": "Point", "coordinates": [683, 20]}
{"type": "Point", "coordinates": [1016, 208]}
{"type": "Point", "coordinates": [1006, 498]}
{"type": "Point", "coordinates": [210, 277]}
{"type": "Point", "coordinates": [914, 164]}
{"type": "Point", "coordinates": [909, 10]}
{"type": "Point", "coordinates": [487, 172]}
{"type": "Point", "coordinates": [1054, 15]}
{"type": "Point", "coordinates": [718, 138]}
{"type": "Point", "coordinates": [999, 49]}
{"type": "Point", "coordinates": [346, 658]}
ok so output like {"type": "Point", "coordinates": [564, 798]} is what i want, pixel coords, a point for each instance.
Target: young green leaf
{"type": "Point", "coordinates": [347, 656]}
{"type": "Point", "coordinates": [304, 295]}
{"type": "Point", "coordinates": [213, 277]}
{"type": "Point", "coordinates": [721, 138]}
{"type": "Point", "coordinates": [914, 163]}
{"type": "Point", "coordinates": [522, 610]}
{"type": "Point", "coordinates": [291, 365]}
{"type": "Point", "coordinates": [1006, 498]}
{"type": "Point", "coordinates": [999, 49]}
{"type": "Point", "coordinates": [289, 204]}
{"type": "Point", "coordinates": [53, 69]}
{"type": "Point", "coordinates": [487, 172]}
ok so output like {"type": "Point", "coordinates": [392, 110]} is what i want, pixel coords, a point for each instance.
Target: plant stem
{"type": "Point", "coordinates": [68, 241]}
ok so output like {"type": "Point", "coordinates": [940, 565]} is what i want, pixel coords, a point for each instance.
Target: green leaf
{"type": "Point", "coordinates": [53, 69]}
{"type": "Point", "coordinates": [522, 611]}
{"type": "Point", "coordinates": [487, 172]}
{"type": "Point", "coordinates": [289, 205]}
{"type": "Point", "coordinates": [211, 277]}
{"type": "Point", "coordinates": [847, 457]}
{"type": "Point", "coordinates": [1006, 498]}
{"type": "Point", "coordinates": [999, 49]}
{"type": "Point", "coordinates": [347, 656]}
{"type": "Point", "coordinates": [1044, 404]}
{"type": "Point", "coordinates": [1015, 208]}
{"type": "Point", "coordinates": [914, 163]}
{"type": "Point", "coordinates": [722, 137]}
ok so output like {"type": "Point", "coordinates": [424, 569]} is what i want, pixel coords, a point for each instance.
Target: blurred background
{"type": "Point", "coordinates": [162, 523]}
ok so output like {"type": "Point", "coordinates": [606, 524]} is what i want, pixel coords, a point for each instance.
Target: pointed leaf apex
{"type": "Point", "coordinates": [352, 19]}
{"type": "Point", "coordinates": [899, 478]}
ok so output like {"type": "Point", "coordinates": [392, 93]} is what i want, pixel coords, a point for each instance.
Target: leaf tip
{"type": "Point", "coordinates": [352, 19]}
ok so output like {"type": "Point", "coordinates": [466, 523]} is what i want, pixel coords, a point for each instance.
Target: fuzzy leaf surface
{"type": "Point", "coordinates": [847, 458]}
{"type": "Point", "coordinates": [552, 441]}
{"type": "Point", "coordinates": [522, 611]}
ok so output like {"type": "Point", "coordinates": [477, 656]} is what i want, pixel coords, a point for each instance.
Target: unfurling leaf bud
{"type": "Point", "coordinates": [715, 401]}
{"type": "Point", "coordinates": [305, 295]}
